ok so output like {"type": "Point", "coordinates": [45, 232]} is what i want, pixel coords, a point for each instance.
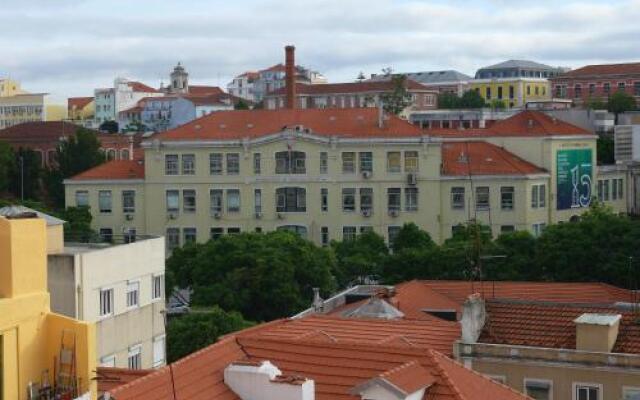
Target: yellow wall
{"type": "Point", "coordinates": [86, 112]}
{"type": "Point", "coordinates": [524, 90]}
{"type": "Point", "coordinates": [55, 112]}
{"type": "Point", "coordinates": [9, 87]}
{"type": "Point", "coordinates": [30, 332]}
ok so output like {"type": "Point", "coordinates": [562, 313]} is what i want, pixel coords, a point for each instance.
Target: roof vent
{"type": "Point", "coordinates": [249, 126]}
{"type": "Point", "coordinates": [222, 126]}
{"type": "Point", "coordinates": [463, 158]}
{"type": "Point", "coordinates": [489, 159]}
{"type": "Point", "coordinates": [530, 123]}
{"type": "Point", "coordinates": [197, 127]}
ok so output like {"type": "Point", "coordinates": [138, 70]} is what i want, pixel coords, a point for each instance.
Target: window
{"type": "Point", "coordinates": [538, 228]}
{"type": "Point", "coordinates": [393, 199]}
{"type": "Point", "coordinates": [577, 91]}
{"type": "Point", "coordinates": [349, 233]}
{"type": "Point", "coordinates": [482, 198]}
{"type": "Point", "coordinates": [600, 190]}
{"type": "Point", "coordinates": [457, 198]}
{"type": "Point", "coordinates": [411, 161]}
{"type": "Point", "coordinates": [538, 196]}
{"type": "Point", "coordinates": [614, 189]}
{"type": "Point", "coordinates": [108, 361]}
{"type": "Point", "coordinates": [173, 238]}
{"type": "Point", "coordinates": [587, 391]}
{"type": "Point", "coordinates": [173, 201]}
{"type": "Point", "coordinates": [488, 93]}
{"type": "Point", "coordinates": [128, 201]}
{"type": "Point", "coordinates": [215, 164]}
{"type": "Point", "coordinates": [158, 351]}
{"type": "Point", "coordinates": [257, 201]}
{"type": "Point", "coordinates": [630, 393]}
{"type": "Point", "coordinates": [348, 162]}
{"type": "Point", "coordinates": [233, 200]}
{"type": "Point", "coordinates": [171, 164]}
{"type": "Point", "coordinates": [394, 162]}
{"type": "Point", "coordinates": [156, 289]}
{"type": "Point", "coordinates": [135, 357]}
{"type": "Point", "coordinates": [216, 233]}
{"type": "Point", "coordinates": [233, 164]}
{"type": "Point", "coordinates": [538, 389]}
{"type": "Point", "coordinates": [621, 86]}
{"type": "Point", "coordinates": [606, 190]}
{"type": "Point", "coordinates": [365, 160]}
{"type": "Point", "coordinates": [189, 235]}
{"type": "Point", "coordinates": [82, 198]}
{"type": "Point", "coordinates": [133, 294]}
{"type": "Point", "coordinates": [324, 236]}
{"type": "Point", "coordinates": [233, 231]}
{"type": "Point", "coordinates": [507, 228]}
{"type": "Point", "coordinates": [104, 201]}
{"type": "Point", "coordinates": [528, 90]}
{"type": "Point", "coordinates": [189, 201]}
{"type": "Point", "coordinates": [324, 162]}
{"type": "Point", "coordinates": [500, 92]}
{"type": "Point", "coordinates": [324, 199]}
{"type": "Point", "coordinates": [592, 88]}
{"type": "Point", "coordinates": [215, 197]}
{"type": "Point", "coordinates": [188, 164]}
{"type": "Point", "coordinates": [291, 162]}
{"type": "Point", "coordinates": [506, 197]}
{"type": "Point", "coordinates": [291, 199]}
{"type": "Point", "coordinates": [392, 234]}
{"type": "Point", "coordinates": [366, 199]}
{"type": "Point", "coordinates": [257, 167]}
{"type": "Point", "coordinates": [348, 199]}
{"type": "Point", "coordinates": [636, 88]}
{"type": "Point", "coordinates": [411, 199]}
{"type": "Point", "coordinates": [606, 87]}
{"type": "Point", "coordinates": [106, 302]}
{"type": "Point", "coordinates": [620, 189]}
{"type": "Point", "coordinates": [511, 92]}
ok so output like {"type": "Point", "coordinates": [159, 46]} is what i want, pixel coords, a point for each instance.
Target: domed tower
{"type": "Point", "coordinates": [179, 80]}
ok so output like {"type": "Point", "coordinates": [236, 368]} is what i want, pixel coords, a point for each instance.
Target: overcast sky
{"type": "Point", "coordinates": [70, 47]}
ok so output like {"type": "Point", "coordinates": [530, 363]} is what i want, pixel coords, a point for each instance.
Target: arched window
{"type": "Point", "coordinates": [111, 154]}
{"type": "Point", "coordinates": [124, 154]}
{"type": "Point", "coordinates": [291, 199]}
{"type": "Point", "coordinates": [291, 162]}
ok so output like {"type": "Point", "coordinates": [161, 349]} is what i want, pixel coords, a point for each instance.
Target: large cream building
{"type": "Point", "coordinates": [18, 106]}
{"type": "Point", "coordinates": [333, 173]}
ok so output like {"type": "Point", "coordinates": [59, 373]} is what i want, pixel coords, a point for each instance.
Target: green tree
{"type": "Point", "coordinates": [109, 126]}
{"type": "Point", "coordinates": [200, 328]}
{"type": "Point", "coordinates": [513, 258]}
{"type": "Point", "coordinates": [77, 154]}
{"type": "Point", "coordinates": [7, 166]}
{"type": "Point", "coordinates": [448, 101]}
{"type": "Point", "coordinates": [78, 224]}
{"type": "Point", "coordinates": [241, 104]}
{"type": "Point", "coordinates": [497, 104]}
{"type": "Point", "coordinates": [471, 99]}
{"type": "Point", "coordinates": [620, 102]}
{"type": "Point", "coordinates": [360, 258]}
{"type": "Point", "coordinates": [412, 237]}
{"type": "Point", "coordinates": [605, 150]}
{"type": "Point", "coordinates": [263, 276]}
{"type": "Point", "coordinates": [596, 104]}
{"type": "Point", "coordinates": [399, 99]}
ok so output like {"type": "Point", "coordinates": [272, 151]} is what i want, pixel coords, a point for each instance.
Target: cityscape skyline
{"type": "Point", "coordinates": [91, 43]}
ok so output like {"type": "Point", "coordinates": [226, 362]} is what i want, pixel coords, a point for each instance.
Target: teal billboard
{"type": "Point", "coordinates": [574, 179]}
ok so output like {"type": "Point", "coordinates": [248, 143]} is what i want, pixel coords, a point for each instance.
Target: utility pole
{"type": "Point", "coordinates": [22, 178]}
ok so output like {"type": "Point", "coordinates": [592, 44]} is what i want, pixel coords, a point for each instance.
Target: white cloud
{"type": "Point", "coordinates": [78, 45]}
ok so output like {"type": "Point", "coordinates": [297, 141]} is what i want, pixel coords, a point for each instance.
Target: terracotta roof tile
{"type": "Point", "coordinates": [482, 158]}
{"type": "Point", "coordinates": [141, 87]}
{"type": "Point", "coordinates": [199, 90]}
{"type": "Point", "coordinates": [115, 169]}
{"type": "Point", "coordinates": [551, 325]}
{"type": "Point", "coordinates": [41, 130]}
{"type": "Point", "coordinates": [348, 87]}
{"type": "Point", "coordinates": [603, 69]}
{"type": "Point", "coordinates": [409, 377]}
{"type": "Point", "coordinates": [78, 103]}
{"type": "Point", "coordinates": [111, 378]}
{"type": "Point", "coordinates": [229, 125]}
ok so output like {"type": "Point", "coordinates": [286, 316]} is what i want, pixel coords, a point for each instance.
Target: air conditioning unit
{"type": "Point", "coordinates": [366, 174]}
{"type": "Point", "coordinates": [394, 213]}
{"type": "Point", "coordinates": [412, 179]}
{"type": "Point", "coordinates": [258, 215]}
{"type": "Point", "coordinates": [366, 213]}
{"type": "Point", "coordinates": [128, 217]}
{"type": "Point", "coordinates": [173, 215]}
{"type": "Point", "coordinates": [217, 215]}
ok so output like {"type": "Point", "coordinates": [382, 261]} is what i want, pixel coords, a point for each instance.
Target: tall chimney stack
{"type": "Point", "coordinates": [290, 79]}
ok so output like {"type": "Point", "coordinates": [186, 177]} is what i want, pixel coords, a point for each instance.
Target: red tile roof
{"type": "Point", "coordinates": [110, 378]}
{"type": "Point", "coordinates": [482, 158]}
{"type": "Point", "coordinates": [409, 377]}
{"type": "Point", "coordinates": [141, 87]}
{"type": "Point", "coordinates": [348, 87]}
{"type": "Point", "coordinates": [524, 124]}
{"type": "Point", "coordinates": [40, 130]}
{"type": "Point", "coordinates": [115, 169]}
{"type": "Point", "coordinates": [602, 69]}
{"type": "Point", "coordinates": [275, 68]}
{"type": "Point", "coordinates": [252, 75]}
{"type": "Point", "coordinates": [199, 90]}
{"type": "Point", "coordinates": [226, 125]}
{"type": "Point", "coordinates": [551, 325]}
{"type": "Point", "coordinates": [78, 103]}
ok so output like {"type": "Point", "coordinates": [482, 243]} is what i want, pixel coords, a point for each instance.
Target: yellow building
{"type": "Point", "coordinates": [18, 106]}
{"type": "Point", "coordinates": [332, 174]}
{"type": "Point", "coordinates": [81, 108]}
{"type": "Point", "coordinates": [32, 338]}
{"type": "Point", "coordinates": [514, 92]}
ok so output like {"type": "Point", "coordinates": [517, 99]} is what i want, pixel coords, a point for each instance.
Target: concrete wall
{"type": "Point", "coordinates": [62, 284]}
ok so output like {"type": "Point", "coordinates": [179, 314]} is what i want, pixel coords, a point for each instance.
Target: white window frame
{"type": "Point", "coordinates": [134, 351]}
{"type": "Point", "coordinates": [574, 387]}
{"type": "Point", "coordinates": [536, 380]}
{"type": "Point", "coordinates": [108, 361]}
{"type": "Point", "coordinates": [157, 362]}
{"type": "Point", "coordinates": [130, 285]}
{"type": "Point", "coordinates": [156, 292]}
{"type": "Point", "coordinates": [100, 304]}
{"type": "Point", "coordinates": [85, 192]}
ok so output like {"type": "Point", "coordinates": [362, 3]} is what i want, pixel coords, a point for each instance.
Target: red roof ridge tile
{"type": "Point", "coordinates": [445, 376]}
{"type": "Point", "coordinates": [317, 334]}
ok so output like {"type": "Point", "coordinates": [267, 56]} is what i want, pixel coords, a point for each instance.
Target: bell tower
{"type": "Point", "coordinates": [179, 80]}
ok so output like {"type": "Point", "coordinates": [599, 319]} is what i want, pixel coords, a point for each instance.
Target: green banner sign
{"type": "Point", "coordinates": [574, 178]}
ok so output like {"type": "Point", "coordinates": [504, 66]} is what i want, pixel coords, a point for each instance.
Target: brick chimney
{"type": "Point", "coordinates": [290, 78]}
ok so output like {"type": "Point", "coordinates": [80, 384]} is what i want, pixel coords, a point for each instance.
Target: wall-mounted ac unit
{"type": "Point", "coordinates": [217, 215]}
{"type": "Point", "coordinates": [173, 215]}
{"type": "Point", "coordinates": [366, 174]}
{"type": "Point", "coordinates": [128, 217]}
{"type": "Point", "coordinates": [280, 216]}
{"type": "Point", "coordinates": [412, 179]}
{"type": "Point", "coordinates": [258, 215]}
{"type": "Point", "coordinates": [394, 213]}
{"type": "Point", "coordinates": [366, 213]}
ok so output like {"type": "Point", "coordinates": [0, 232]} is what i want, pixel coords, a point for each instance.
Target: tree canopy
{"type": "Point", "coordinates": [109, 126]}
{"type": "Point", "coordinates": [469, 100]}
{"type": "Point", "coordinates": [400, 98]}
{"type": "Point", "coordinates": [620, 102]}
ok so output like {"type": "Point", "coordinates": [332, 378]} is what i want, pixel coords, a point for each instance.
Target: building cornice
{"type": "Point", "coordinates": [103, 181]}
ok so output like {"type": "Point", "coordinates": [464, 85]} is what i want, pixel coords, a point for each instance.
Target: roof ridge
{"type": "Point", "coordinates": [445, 376]}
